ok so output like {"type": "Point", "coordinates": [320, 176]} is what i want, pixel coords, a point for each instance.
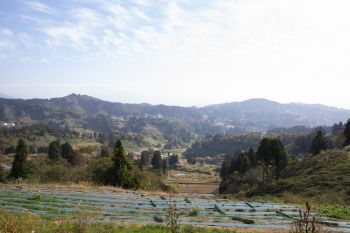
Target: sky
{"type": "Point", "coordinates": [177, 52]}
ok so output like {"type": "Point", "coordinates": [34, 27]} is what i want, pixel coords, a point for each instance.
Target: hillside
{"type": "Point", "coordinates": [222, 146]}
{"type": "Point", "coordinates": [2, 95]}
{"type": "Point", "coordinates": [324, 178]}
{"type": "Point", "coordinates": [232, 118]}
{"type": "Point", "coordinates": [262, 114]}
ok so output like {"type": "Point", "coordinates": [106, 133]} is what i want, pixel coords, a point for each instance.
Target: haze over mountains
{"type": "Point", "coordinates": [234, 117]}
{"type": "Point", "coordinates": [2, 95]}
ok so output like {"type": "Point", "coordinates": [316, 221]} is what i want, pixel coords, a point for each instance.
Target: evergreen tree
{"type": "Point", "coordinates": [264, 156]}
{"type": "Point", "coordinates": [337, 128]}
{"type": "Point", "coordinates": [54, 150]}
{"type": "Point", "coordinates": [271, 152]}
{"type": "Point", "coordinates": [67, 152]}
{"type": "Point", "coordinates": [121, 170]}
{"type": "Point", "coordinates": [224, 170]}
{"type": "Point", "coordinates": [2, 174]}
{"type": "Point", "coordinates": [157, 160]}
{"type": "Point", "coordinates": [235, 164]}
{"type": "Point", "coordinates": [191, 160]}
{"type": "Point", "coordinates": [18, 169]}
{"type": "Point", "coordinates": [318, 143]}
{"type": "Point", "coordinates": [173, 160]}
{"type": "Point", "coordinates": [245, 164]}
{"type": "Point", "coordinates": [146, 157]}
{"type": "Point", "coordinates": [347, 133]}
{"type": "Point", "coordinates": [165, 166]}
{"type": "Point", "coordinates": [279, 157]}
{"type": "Point", "coordinates": [104, 152]}
{"type": "Point", "coordinates": [252, 157]}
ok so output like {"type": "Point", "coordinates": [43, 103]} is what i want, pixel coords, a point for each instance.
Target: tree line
{"type": "Point", "coordinates": [270, 158]}
{"type": "Point", "coordinates": [270, 154]}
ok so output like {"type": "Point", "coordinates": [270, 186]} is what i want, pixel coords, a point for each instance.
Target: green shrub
{"type": "Point", "coordinates": [43, 170]}
{"type": "Point", "coordinates": [98, 169]}
{"type": "Point", "coordinates": [195, 211]}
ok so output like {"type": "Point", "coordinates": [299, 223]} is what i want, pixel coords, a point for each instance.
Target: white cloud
{"type": "Point", "coordinates": [140, 14]}
{"type": "Point", "coordinates": [87, 16]}
{"type": "Point", "coordinates": [7, 44]}
{"type": "Point", "coordinates": [4, 32]}
{"type": "Point", "coordinates": [39, 7]}
{"type": "Point", "coordinates": [69, 35]}
{"type": "Point", "coordinates": [233, 48]}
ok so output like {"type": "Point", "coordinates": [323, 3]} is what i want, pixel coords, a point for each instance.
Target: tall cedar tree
{"type": "Point", "coordinates": [2, 174]}
{"type": "Point", "coordinates": [54, 150]}
{"type": "Point", "coordinates": [146, 157]}
{"type": "Point", "coordinates": [67, 152]}
{"type": "Point", "coordinates": [18, 166]}
{"type": "Point", "coordinates": [245, 164]}
{"type": "Point", "coordinates": [252, 157]}
{"type": "Point", "coordinates": [122, 168]}
{"type": "Point", "coordinates": [271, 152]}
{"type": "Point", "coordinates": [337, 128]}
{"type": "Point", "coordinates": [173, 160]}
{"type": "Point", "coordinates": [347, 133]}
{"type": "Point", "coordinates": [279, 157]}
{"type": "Point", "coordinates": [318, 143]}
{"type": "Point", "coordinates": [165, 166]}
{"type": "Point", "coordinates": [104, 152]}
{"type": "Point", "coordinates": [225, 169]}
{"type": "Point", "coordinates": [264, 155]}
{"type": "Point", "coordinates": [157, 160]}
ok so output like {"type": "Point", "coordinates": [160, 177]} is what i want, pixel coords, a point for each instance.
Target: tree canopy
{"type": "Point", "coordinates": [271, 152]}
{"type": "Point", "coordinates": [318, 143]}
{"type": "Point", "coordinates": [157, 160]}
{"type": "Point", "coordinates": [67, 152]}
{"type": "Point", "coordinates": [54, 150]}
{"type": "Point", "coordinates": [18, 166]}
{"type": "Point", "coordinates": [347, 133]}
{"type": "Point", "coordinates": [121, 170]}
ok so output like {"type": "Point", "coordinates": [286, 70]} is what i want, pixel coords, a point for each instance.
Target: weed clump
{"type": "Point", "coordinates": [306, 223]}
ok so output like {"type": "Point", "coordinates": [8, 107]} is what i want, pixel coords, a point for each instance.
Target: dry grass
{"type": "Point", "coordinates": [306, 223]}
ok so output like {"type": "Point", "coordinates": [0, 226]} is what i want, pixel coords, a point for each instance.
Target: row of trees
{"type": "Point", "coordinates": [119, 173]}
{"type": "Point", "coordinates": [154, 159]}
{"type": "Point", "coordinates": [65, 151]}
{"type": "Point", "coordinates": [320, 141]}
{"type": "Point", "coordinates": [270, 154]}
{"type": "Point", "coordinates": [271, 158]}
{"type": "Point", "coordinates": [56, 151]}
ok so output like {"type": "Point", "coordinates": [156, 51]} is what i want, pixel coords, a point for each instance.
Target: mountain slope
{"type": "Point", "coordinates": [322, 175]}
{"type": "Point", "coordinates": [250, 115]}
{"type": "Point", "coordinates": [264, 114]}
{"type": "Point", "coordinates": [2, 95]}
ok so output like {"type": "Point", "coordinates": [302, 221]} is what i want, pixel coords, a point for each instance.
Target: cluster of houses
{"type": "Point", "coordinates": [7, 124]}
{"type": "Point", "coordinates": [137, 155]}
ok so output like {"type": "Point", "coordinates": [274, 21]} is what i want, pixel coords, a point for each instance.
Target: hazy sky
{"type": "Point", "coordinates": [189, 52]}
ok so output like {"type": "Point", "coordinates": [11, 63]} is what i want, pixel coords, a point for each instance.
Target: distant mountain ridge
{"type": "Point", "coordinates": [249, 115]}
{"type": "Point", "coordinates": [2, 95]}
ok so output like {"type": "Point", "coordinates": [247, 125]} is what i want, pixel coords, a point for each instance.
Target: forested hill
{"type": "Point", "coordinates": [80, 106]}
{"type": "Point", "coordinates": [235, 117]}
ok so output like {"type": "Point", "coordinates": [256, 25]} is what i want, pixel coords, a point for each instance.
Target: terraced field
{"type": "Point", "coordinates": [125, 207]}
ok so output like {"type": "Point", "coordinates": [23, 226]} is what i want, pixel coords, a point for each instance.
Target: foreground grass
{"type": "Point", "coordinates": [335, 211]}
{"type": "Point", "coordinates": [318, 204]}
{"type": "Point", "coordinates": [27, 222]}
